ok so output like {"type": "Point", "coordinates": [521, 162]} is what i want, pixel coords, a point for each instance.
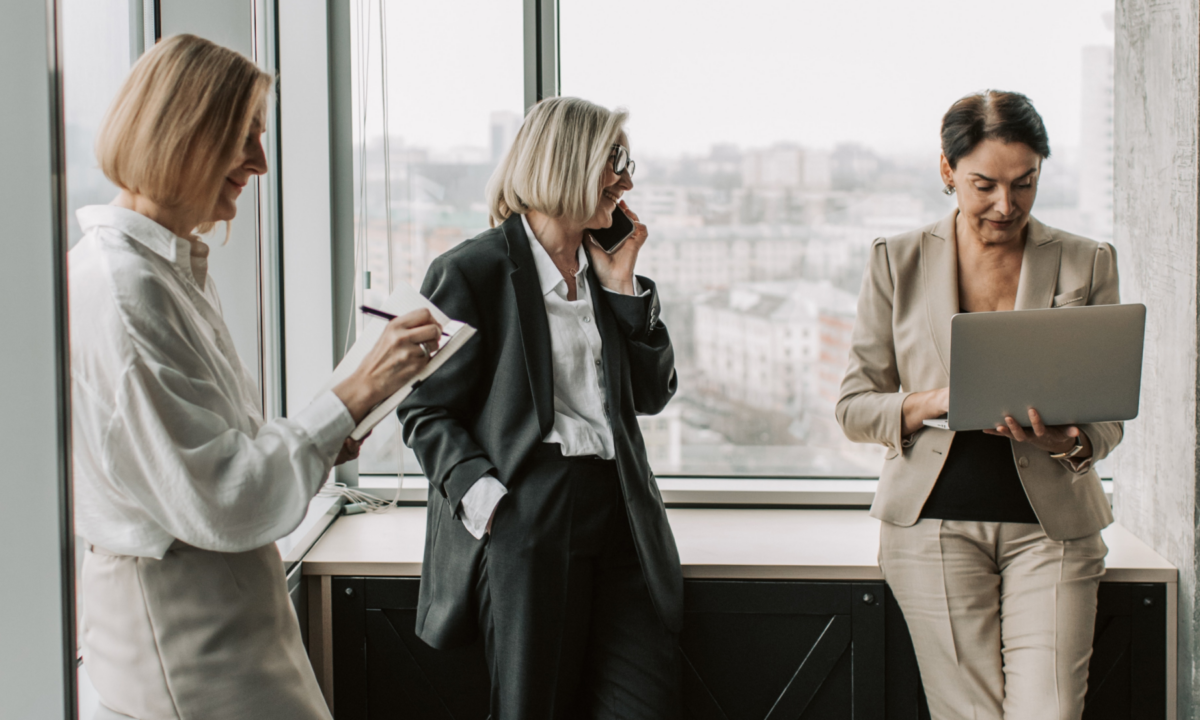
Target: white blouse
{"type": "Point", "coordinates": [169, 439]}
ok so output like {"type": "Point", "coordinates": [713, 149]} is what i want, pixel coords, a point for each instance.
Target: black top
{"type": "Point", "coordinates": [979, 482]}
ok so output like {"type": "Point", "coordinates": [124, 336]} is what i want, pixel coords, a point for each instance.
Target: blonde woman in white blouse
{"type": "Point", "coordinates": [181, 487]}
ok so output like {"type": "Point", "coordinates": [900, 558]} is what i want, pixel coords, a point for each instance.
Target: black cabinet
{"type": "Point", "coordinates": [750, 650]}
{"type": "Point", "coordinates": [783, 650]}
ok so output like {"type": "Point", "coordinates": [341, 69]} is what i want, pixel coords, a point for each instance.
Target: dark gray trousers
{"type": "Point", "coordinates": [569, 628]}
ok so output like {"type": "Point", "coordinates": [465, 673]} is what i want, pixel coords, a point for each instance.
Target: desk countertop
{"type": "Point", "coordinates": [713, 543]}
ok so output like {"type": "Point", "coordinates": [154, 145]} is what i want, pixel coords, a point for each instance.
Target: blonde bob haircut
{"type": "Point", "coordinates": [179, 121]}
{"type": "Point", "coordinates": [556, 161]}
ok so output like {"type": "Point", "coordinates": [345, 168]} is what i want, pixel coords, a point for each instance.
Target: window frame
{"type": "Point", "coordinates": [542, 79]}
{"type": "Point", "coordinates": [541, 40]}
{"type": "Point", "coordinates": [39, 619]}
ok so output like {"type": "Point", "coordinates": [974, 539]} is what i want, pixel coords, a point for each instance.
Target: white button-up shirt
{"type": "Point", "coordinates": [169, 437]}
{"type": "Point", "coordinates": [581, 424]}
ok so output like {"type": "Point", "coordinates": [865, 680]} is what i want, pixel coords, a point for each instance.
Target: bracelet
{"type": "Point", "coordinates": [1070, 453]}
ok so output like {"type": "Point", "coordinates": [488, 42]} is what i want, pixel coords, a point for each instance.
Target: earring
{"type": "Point", "coordinates": [949, 190]}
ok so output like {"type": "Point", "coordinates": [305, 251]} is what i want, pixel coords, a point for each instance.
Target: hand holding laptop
{"type": "Point", "coordinates": [932, 404]}
{"type": "Point", "coordinates": [1076, 365]}
{"type": "Point", "coordinates": [921, 406]}
{"type": "Point", "coordinates": [1055, 439]}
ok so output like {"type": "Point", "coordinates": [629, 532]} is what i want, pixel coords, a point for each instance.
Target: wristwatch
{"type": "Point", "coordinates": [1072, 452]}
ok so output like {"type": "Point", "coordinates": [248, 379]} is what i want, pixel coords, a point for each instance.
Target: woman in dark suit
{"type": "Point", "coordinates": [546, 531]}
{"type": "Point", "coordinates": [990, 540]}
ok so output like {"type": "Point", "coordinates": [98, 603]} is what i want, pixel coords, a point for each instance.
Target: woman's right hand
{"type": "Point", "coordinates": [921, 406]}
{"type": "Point", "coordinates": [394, 360]}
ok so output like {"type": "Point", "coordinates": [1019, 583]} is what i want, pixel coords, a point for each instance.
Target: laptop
{"type": "Point", "coordinates": [1074, 364]}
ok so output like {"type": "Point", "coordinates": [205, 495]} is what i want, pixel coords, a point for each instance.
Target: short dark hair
{"type": "Point", "coordinates": [992, 115]}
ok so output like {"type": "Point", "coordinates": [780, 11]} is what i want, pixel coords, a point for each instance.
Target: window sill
{"type": "Point", "coordinates": [683, 492]}
{"type": "Point", "coordinates": [322, 511]}
{"type": "Point", "coordinates": [716, 543]}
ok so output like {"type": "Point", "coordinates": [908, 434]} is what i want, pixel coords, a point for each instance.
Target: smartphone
{"type": "Point", "coordinates": [612, 237]}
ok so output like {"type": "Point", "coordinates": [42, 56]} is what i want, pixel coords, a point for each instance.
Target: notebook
{"type": "Point", "coordinates": [403, 301]}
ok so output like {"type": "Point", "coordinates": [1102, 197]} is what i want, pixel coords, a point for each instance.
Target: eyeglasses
{"type": "Point", "coordinates": [621, 161]}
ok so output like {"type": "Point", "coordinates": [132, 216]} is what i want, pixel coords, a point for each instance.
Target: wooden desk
{"type": "Point", "coordinates": [714, 544]}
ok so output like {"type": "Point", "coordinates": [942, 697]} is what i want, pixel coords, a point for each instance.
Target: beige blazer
{"type": "Point", "coordinates": [901, 344]}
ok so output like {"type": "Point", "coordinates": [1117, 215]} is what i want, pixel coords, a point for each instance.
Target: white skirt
{"type": "Point", "coordinates": [198, 634]}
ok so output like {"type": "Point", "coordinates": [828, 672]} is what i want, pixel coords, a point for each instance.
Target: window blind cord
{"type": "Point", "coordinates": [387, 145]}
{"type": "Point", "coordinates": [358, 500]}
{"type": "Point", "coordinates": [358, 287]}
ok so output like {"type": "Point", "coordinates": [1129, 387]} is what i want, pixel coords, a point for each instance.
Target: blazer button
{"type": "Point", "coordinates": [1022, 462]}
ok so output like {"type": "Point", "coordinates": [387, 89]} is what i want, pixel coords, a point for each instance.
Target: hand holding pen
{"type": "Point", "coordinates": [429, 348]}
{"type": "Point", "coordinates": [401, 352]}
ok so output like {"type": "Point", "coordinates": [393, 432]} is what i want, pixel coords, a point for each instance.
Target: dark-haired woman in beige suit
{"type": "Point", "coordinates": [990, 540]}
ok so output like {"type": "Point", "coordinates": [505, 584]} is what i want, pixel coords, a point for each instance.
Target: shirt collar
{"type": "Point", "coordinates": [548, 274]}
{"type": "Point", "coordinates": [154, 237]}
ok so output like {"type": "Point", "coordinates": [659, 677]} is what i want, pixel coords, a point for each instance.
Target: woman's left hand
{"type": "Point", "coordinates": [616, 270]}
{"type": "Point", "coordinates": [1051, 438]}
{"type": "Point", "coordinates": [350, 449]}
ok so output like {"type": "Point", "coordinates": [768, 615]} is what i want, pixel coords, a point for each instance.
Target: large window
{"type": "Point", "coordinates": [774, 142]}
{"type": "Point", "coordinates": [454, 79]}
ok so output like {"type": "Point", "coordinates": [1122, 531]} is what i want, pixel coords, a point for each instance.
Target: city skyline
{"type": "Point", "coordinates": [757, 244]}
{"type": "Point", "coordinates": [878, 73]}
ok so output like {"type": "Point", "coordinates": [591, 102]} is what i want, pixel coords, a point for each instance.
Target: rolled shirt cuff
{"type": "Point", "coordinates": [637, 289]}
{"type": "Point", "coordinates": [479, 503]}
{"type": "Point", "coordinates": [327, 421]}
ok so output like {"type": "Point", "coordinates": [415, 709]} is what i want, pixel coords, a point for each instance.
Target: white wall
{"type": "Point", "coordinates": [1157, 88]}
{"type": "Point", "coordinates": [36, 565]}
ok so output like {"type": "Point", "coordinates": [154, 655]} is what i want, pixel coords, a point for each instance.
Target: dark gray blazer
{"type": "Point", "coordinates": [493, 403]}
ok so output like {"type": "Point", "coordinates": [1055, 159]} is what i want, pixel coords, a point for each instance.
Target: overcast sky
{"type": "Point", "coordinates": [751, 72]}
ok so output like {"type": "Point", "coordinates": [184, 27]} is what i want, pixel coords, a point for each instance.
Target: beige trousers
{"type": "Point", "coordinates": [195, 635]}
{"type": "Point", "coordinates": [1001, 616]}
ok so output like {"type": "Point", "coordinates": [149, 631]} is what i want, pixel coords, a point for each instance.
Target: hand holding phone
{"type": "Point", "coordinates": [612, 237]}
{"type": "Point", "coordinates": [615, 266]}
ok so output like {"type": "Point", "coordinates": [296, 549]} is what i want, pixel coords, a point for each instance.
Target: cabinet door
{"type": "Point", "coordinates": [383, 670]}
{"type": "Point", "coordinates": [750, 650]}
{"type": "Point", "coordinates": [773, 650]}
{"type": "Point", "coordinates": [1127, 676]}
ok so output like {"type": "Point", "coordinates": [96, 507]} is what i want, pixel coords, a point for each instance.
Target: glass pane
{"type": "Point", "coordinates": [455, 86]}
{"type": "Point", "coordinates": [97, 55]}
{"type": "Point", "coordinates": [774, 142]}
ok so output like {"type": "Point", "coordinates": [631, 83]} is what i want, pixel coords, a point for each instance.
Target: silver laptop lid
{"type": "Point", "coordinates": [1074, 365]}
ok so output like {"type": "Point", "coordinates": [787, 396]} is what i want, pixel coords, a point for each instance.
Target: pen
{"type": "Point", "coordinates": [377, 313]}
{"type": "Point", "coordinates": [386, 316]}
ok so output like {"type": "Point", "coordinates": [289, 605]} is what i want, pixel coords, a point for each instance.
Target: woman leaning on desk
{"type": "Point", "coordinates": [990, 540]}
{"type": "Point", "coordinates": [547, 533]}
{"type": "Point", "coordinates": [181, 487]}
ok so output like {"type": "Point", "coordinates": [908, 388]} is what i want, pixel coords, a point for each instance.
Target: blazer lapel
{"type": "Point", "coordinates": [939, 266]}
{"type": "Point", "coordinates": [1039, 268]}
{"type": "Point", "coordinates": [531, 316]}
{"type": "Point", "coordinates": [610, 337]}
